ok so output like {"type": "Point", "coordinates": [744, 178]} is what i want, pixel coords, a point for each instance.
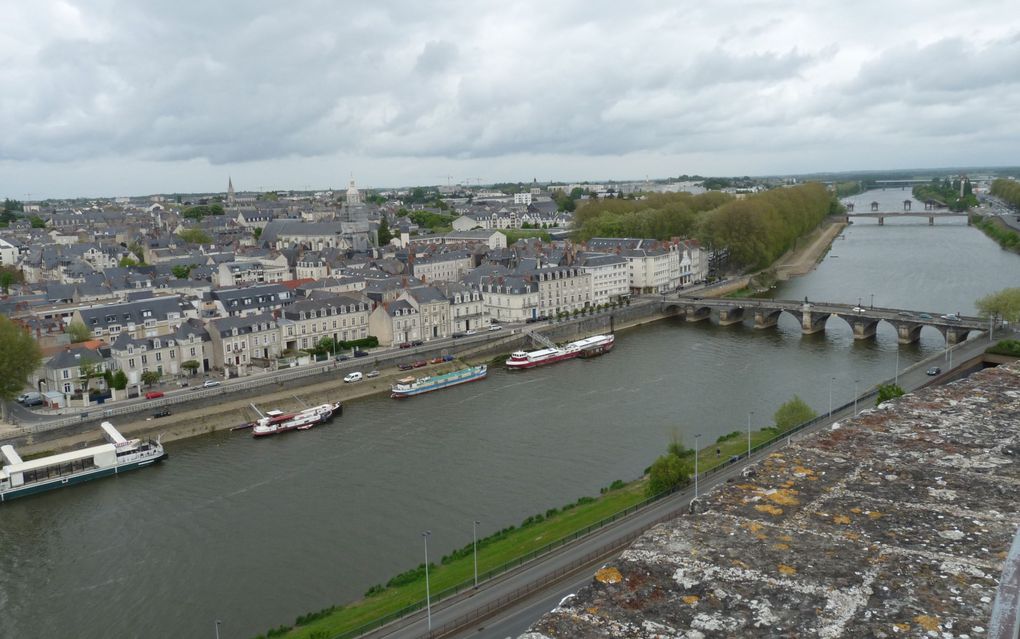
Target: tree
{"type": "Point", "coordinates": [78, 332]}
{"type": "Point", "coordinates": [1004, 304]}
{"type": "Point", "coordinates": [887, 392]}
{"type": "Point", "coordinates": [150, 377]}
{"type": "Point", "coordinates": [127, 262]}
{"type": "Point", "coordinates": [257, 232]}
{"type": "Point", "coordinates": [6, 279]}
{"type": "Point", "coordinates": [19, 357]}
{"type": "Point", "coordinates": [794, 412]}
{"type": "Point", "coordinates": [384, 232]}
{"type": "Point", "coordinates": [37, 222]}
{"type": "Point", "coordinates": [138, 250]}
{"type": "Point", "coordinates": [672, 470]}
{"type": "Point", "coordinates": [191, 366]}
{"type": "Point", "coordinates": [182, 271]}
{"type": "Point", "coordinates": [120, 380]}
{"type": "Point", "coordinates": [88, 371]}
{"type": "Point", "coordinates": [195, 236]}
{"type": "Point", "coordinates": [13, 205]}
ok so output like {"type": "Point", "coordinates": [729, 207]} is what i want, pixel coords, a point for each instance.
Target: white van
{"type": "Point", "coordinates": [353, 377]}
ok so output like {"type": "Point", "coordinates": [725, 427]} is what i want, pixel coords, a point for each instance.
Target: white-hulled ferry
{"type": "Point", "coordinates": [587, 347]}
{"type": "Point", "coordinates": [19, 478]}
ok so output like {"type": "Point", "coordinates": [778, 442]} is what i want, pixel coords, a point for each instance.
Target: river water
{"type": "Point", "coordinates": [255, 533]}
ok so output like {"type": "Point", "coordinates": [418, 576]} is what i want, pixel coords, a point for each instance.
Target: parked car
{"type": "Point", "coordinates": [209, 383]}
{"type": "Point", "coordinates": [934, 370]}
{"type": "Point", "coordinates": [405, 366]}
{"type": "Point", "coordinates": [342, 358]}
{"type": "Point", "coordinates": [32, 399]}
{"type": "Point", "coordinates": [494, 327]}
{"type": "Point", "coordinates": [406, 345]}
{"type": "Point", "coordinates": [471, 332]}
{"type": "Point", "coordinates": [350, 378]}
{"type": "Point", "coordinates": [436, 360]}
{"type": "Point", "coordinates": [360, 353]}
{"type": "Point", "coordinates": [458, 335]}
{"type": "Point", "coordinates": [416, 342]}
{"type": "Point", "coordinates": [163, 412]}
{"type": "Point", "coordinates": [372, 374]}
{"type": "Point", "coordinates": [418, 364]}
{"type": "Point", "coordinates": [153, 394]}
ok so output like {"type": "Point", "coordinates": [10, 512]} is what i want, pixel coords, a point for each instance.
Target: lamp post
{"type": "Point", "coordinates": [872, 301]}
{"type": "Point", "coordinates": [896, 376]}
{"type": "Point", "coordinates": [474, 543]}
{"type": "Point", "coordinates": [218, 622]}
{"type": "Point", "coordinates": [858, 302]}
{"type": "Point", "coordinates": [428, 598]}
{"type": "Point", "coordinates": [697, 448]}
{"type": "Point", "coordinates": [855, 396]}
{"type": "Point", "coordinates": [831, 380]}
{"type": "Point", "coordinates": [749, 413]}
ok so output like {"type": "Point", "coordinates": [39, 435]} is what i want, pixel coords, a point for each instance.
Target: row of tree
{"type": "Point", "coordinates": [957, 195]}
{"type": "Point", "coordinates": [659, 216]}
{"type": "Point", "coordinates": [760, 228]}
{"type": "Point", "coordinates": [1008, 191]}
{"type": "Point", "coordinates": [756, 229]}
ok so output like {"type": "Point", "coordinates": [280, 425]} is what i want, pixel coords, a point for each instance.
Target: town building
{"type": "Point", "coordinates": [340, 317]}
{"type": "Point", "coordinates": [395, 322]}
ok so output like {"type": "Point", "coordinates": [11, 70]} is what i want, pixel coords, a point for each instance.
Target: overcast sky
{"type": "Point", "coordinates": [118, 97]}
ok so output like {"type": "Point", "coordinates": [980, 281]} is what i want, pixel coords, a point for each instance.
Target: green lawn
{"type": "Point", "coordinates": [512, 547]}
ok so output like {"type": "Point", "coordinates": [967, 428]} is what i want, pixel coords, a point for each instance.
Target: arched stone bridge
{"type": "Point", "coordinates": [813, 315]}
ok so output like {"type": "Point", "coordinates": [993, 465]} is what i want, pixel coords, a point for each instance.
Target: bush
{"type": "Point", "coordinates": [1009, 347]}
{"type": "Point", "coordinates": [887, 392]}
{"type": "Point", "coordinates": [792, 413]}
{"type": "Point", "coordinates": [374, 590]}
{"type": "Point", "coordinates": [729, 436]}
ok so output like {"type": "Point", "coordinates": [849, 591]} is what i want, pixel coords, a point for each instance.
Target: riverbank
{"type": "Point", "coordinates": [808, 251]}
{"type": "Point", "coordinates": [232, 409]}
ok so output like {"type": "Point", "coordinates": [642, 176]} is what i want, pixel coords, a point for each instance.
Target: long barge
{"type": "Point", "coordinates": [20, 478]}
{"type": "Point", "coordinates": [587, 347]}
{"type": "Point", "coordinates": [410, 386]}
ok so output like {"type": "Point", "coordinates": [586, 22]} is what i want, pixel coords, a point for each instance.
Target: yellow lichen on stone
{"type": "Point", "coordinates": [856, 511]}
{"type": "Point", "coordinates": [787, 570]}
{"type": "Point", "coordinates": [852, 536]}
{"type": "Point", "coordinates": [800, 470]}
{"type": "Point", "coordinates": [740, 564]}
{"type": "Point", "coordinates": [753, 526]}
{"type": "Point", "coordinates": [840, 519]}
{"type": "Point", "coordinates": [593, 610]}
{"type": "Point", "coordinates": [874, 514]}
{"type": "Point", "coordinates": [783, 497]}
{"type": "Point", "coordinates": [786, 537]}
{"type": "Point", "coordinates": [766, 508]}
{"type": "Point", "coordinates": [927, 622]}
{"type": "Point", "coordinates": [690, 600]}
{"type": "Point", "coordinates": [781, 546]}
{"type": "Point", "coordinates": [903, 626]}
{"type": "Point", "coordinates": [609, 575]}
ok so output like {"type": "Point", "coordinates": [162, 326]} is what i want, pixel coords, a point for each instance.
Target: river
{"type": "Point", "coordinates": [255, 533]}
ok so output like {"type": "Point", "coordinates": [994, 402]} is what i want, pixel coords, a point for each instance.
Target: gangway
{"type": "Point", "coordinates": [541, 339]}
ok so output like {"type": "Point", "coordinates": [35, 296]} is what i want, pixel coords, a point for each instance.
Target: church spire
{"type": "Point", "coordinates": [230, 191]}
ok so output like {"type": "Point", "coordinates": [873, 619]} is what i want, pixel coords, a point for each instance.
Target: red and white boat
{"type": "Point", "coordinates": [303, 420]}
{"type": "Point", "coordinates": [587, 347]}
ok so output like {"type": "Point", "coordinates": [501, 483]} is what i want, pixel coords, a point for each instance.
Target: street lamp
{"type": "Point", "coordinates": [896, 377]}
{"type": "Point", "coordinates": [428, 599]}
{"type": "Point", "coordinates": [872, 301]}
{"type": "Point", "coordinates": [218, 622]}
{"type": "Point", "coordinates": [697, 449]}
{"type": "Point", "coordinates": [858, 302]}
{"type": "Point", "coordinates": [474, 542]}
{"type": "Point", "coordinates": [855, 396]}
{"type": "Point", "coordinates": [831, 380]}
{"type": "Point", "coordinates": [749, 433]}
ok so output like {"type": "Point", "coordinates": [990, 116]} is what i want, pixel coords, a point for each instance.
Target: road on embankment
{"type": "Point", "coordinates": [505, 606]}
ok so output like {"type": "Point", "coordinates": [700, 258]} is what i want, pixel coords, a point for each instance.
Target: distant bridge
{"type": "Point", "coordinates": [894, 214]}
{"type": "Point", "coordinates": [813, 315]}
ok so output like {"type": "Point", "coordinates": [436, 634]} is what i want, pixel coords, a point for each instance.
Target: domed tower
{"type": "Point", "coordinates": [353, 195]}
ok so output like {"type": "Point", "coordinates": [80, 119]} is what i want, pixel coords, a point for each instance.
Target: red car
{"type": "Point", "coordinates": [406, 345]}
{"type": "Point", "coordinates": [153, 394]}
{"type": "Point", "coordinates": [420, 363]}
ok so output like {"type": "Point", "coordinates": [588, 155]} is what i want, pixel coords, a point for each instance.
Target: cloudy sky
{"type": "Point", "coordinates": [116, 97]}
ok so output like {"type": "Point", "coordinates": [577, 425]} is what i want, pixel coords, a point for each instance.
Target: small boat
{"type": "Point", "coordinates": [410, 386]}
{"type": "Point", "coordinates": [587, 347]}
{"type": "Point", "coordinates": [270, 417]}
{"type": "Point", "coordinates": [303, 420]}
{"type": "Point", "coordinates": [19, 478]}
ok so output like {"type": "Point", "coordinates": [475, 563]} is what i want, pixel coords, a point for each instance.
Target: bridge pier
{"type": "Point", "coordinates": [931, 220]}
{"type": "Point", "coordinates": [811, 322]}
{"type": "Point", "coordinates": [956, 335]}
{"type": "Point", "coordinates": [697, 313]}
{"type": "Point", "coordinates": [728, 316]}
{"type": "Point", "coordinates": [766, 317]}
{"type": "Point", "coordinates": [864, 328]}
{"type": "Point", "coordinates": [907, 332]}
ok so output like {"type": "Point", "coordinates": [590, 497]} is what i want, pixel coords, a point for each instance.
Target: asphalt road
{"type": "Point", "coordinates": [507, 605]}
